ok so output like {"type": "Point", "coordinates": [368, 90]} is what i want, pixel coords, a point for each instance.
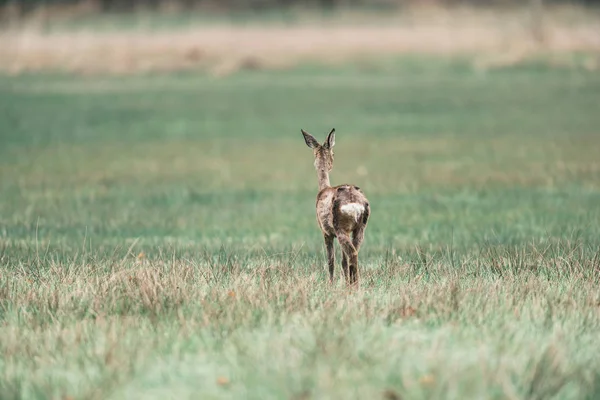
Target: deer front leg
{"type": "Point", "coordinates": [330, 255]}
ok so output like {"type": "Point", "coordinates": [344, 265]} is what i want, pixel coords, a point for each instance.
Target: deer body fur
{"type": "Point", "coordinates": [342, 211]}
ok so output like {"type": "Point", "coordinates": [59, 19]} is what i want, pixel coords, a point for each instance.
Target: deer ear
{"type": "Point", "coordinates": [310, 140]}
{"type": "Point", "coordinates": [330, 142]}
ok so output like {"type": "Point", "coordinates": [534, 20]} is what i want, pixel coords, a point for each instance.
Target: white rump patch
{"type": "Point", "coordinates": [354, 210]}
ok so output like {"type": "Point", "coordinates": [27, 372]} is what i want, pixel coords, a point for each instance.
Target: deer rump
{"type": "Point", "coordinates": [342, 208]}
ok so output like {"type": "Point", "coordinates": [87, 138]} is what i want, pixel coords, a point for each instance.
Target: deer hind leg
{"type": "Point", "coordinates": [358, 235]}
{"type": "Point", "coordinates": [357, 238]}
{"type": "Point", "coordinates": [350, 259]}
{"type": "Point", "coordinates": [330, 255]}
{"type": "Point", "coordinates": [351, 256]}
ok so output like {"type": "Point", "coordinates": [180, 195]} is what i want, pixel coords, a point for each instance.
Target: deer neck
{"type": "Point", "coordinates": [323, 176]}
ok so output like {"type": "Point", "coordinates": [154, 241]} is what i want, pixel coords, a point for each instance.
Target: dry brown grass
{"type": "Point", "coordinates": [500, 323]}
{"type": "Point", "coordinates": [502, 37]}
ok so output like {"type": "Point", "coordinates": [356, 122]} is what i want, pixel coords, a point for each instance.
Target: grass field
{"type": "Point", "coordinates": [158, 238]}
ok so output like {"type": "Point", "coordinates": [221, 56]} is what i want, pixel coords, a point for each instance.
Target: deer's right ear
{"type": "Point", "coordinates": [310, 140]}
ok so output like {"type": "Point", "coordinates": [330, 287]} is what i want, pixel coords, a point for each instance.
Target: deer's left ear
{"type": "Point", "coordinates": [330, 142]}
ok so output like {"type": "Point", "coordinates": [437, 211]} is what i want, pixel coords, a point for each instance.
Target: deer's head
{"type": "Point", "coordinates": [323, 152]}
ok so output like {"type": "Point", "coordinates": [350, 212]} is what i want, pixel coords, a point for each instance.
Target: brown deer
{"type": "Point", "coordinates": [342, 210]}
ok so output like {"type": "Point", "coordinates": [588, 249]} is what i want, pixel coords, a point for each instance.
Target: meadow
{"type": "Point", "coordinates": [158, 237]}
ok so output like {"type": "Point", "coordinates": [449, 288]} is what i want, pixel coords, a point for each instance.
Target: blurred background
{"type": "Point", "coordinates": [128, 36]}
{"type": "Point", "coordinates": [462, 121]}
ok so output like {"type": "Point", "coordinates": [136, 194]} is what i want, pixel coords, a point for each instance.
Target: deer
{"type": "Point", "coordinates": [342, 211]}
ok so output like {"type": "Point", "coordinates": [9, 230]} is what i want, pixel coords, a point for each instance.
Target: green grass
{"type": "Point", "coordinates": [158, 238]}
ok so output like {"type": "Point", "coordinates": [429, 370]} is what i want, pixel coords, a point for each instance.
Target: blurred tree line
{"type": "Point", "coordinates": [229, 5]}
